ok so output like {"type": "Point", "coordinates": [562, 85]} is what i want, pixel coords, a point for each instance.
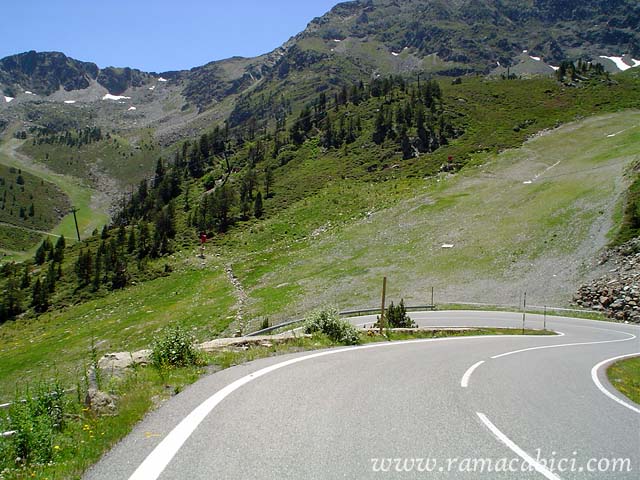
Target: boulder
{"type": "Point", "coordinates": [99, 402]}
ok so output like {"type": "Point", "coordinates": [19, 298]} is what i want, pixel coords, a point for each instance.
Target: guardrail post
{"type": "Point", "coordinates": [384, 292]}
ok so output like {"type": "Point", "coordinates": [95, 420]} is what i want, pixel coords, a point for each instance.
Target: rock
{"type": "Point", "coordinates": [617, 291]}
{"type": "Point", "coordinates": [100, 402]}
{"type": "Point", "coordinates": [121, 360]}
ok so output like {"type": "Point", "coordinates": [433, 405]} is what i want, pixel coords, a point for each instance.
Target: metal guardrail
{"type": "Point", "coordinates": [273, 327]}
{"type": "Point", "coordinates": [344, 313]}
{"type": "Point", "coordinates": [371, 311]}
{"type": "Point", "coordinates": [529, 307]}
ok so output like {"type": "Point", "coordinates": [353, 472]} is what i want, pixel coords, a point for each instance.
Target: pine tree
{"type": "Point", "coordinates": [131, 242]}
{"type": "Point", "coordinates": [257, 206]}
{"type": "Point", "coordinates": [40, 297]}
{"type": "Point", "coordinates": [97, 271]}
{"type": "Point", "coordinates": [58, 254]}
{"type": "Point", "coordinates": [143, 239]}
{"type": "Point", "coordinates": [84, 268]}
{"type": "Point", "coordinates": [52, 275]}
{"type": "Point", "coordinates": [159, 175]}
{"type": "Point", "coordinates": [405, 144]}
{"type": "Point", "coordinates": [26, 278]}
{"type": "Point", "coordinates": [11, 304]}
{"type": "Point", "coordinates": [122, 234]}
{"type": "Point", "coordinates": [268, 181]}
{"type": "Point", "coordinates": [41, 254]}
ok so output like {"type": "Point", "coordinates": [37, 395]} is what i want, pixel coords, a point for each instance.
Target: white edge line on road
{"type": "Point", "coordinates": [464, 383]}
{"type": "Point", "coordinates": [631, 337]}
{"type": "Point", "coordinates": [516, 449]}
{"type": "Point", "coordinates": [155, 463]}
{"type": "Point", "coordinates": [596, 380]}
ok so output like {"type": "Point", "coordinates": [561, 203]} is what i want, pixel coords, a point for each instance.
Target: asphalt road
{"type": "Point", "coordinates": [461, 408]}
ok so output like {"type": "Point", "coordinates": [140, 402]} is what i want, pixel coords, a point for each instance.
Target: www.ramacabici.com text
{"type": "Point", "coordinates": [553, 464]}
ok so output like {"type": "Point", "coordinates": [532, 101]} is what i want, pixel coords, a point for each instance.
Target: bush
{"type": "Point", "coordinates": [328, 321]}
{"type": "Point", "coordinates": [36, 420]}
{"type": "Point", "coordinates": [174, 348]}
{"type": "Point", "coordinates": [397, 316]}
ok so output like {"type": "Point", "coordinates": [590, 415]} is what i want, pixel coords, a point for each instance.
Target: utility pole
{"type": "Point", "coordinates": [384, 292]}
{"type": "Point", "coordinates": [75, 219]}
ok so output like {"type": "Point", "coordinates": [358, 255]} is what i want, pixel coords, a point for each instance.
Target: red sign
{"type": "Point", "coordinates": [203, 238]}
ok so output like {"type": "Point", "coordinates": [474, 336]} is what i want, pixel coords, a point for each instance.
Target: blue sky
{"type": "Point", "coordinates": [154, 36]}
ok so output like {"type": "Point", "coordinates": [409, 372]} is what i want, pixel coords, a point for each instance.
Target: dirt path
{"type": "Point", "coordinates": [27, 229]}
{"type": "Point", "coordinates": [241, 299]}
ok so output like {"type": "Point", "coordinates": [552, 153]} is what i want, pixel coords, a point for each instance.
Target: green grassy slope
{"type": "Point", "coordinates": [342, 218]}
{"type": "Point", "coordinates": [508, 236]}
{"type": "Point", "coordinates": [118, 158]}
{"type": "Point", "coordinates": [28, 206]}
{"type": "Point", "coordinates": [91, 208]}
{"type": "Point", "coordinates": [59, 342]}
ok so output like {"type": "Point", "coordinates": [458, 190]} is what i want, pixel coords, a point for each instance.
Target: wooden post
{"type": "Point", "coordinates": [524, 310]}
{"type": "Point", "coordinates": [384, 292]}
{"type": "Point", "coordinates": [75, 219]}
{"type": "Point", "coordinates": [544, 327]}
{"type": "Point", "coordinates": [433, 305]}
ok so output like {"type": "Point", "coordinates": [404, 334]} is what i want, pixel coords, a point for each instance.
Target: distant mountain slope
{"type": "Point", "coordinates": [479, 33]}
{"type": "Point", "coordinates": [44, 73]}
{"type": "Point", "coordinates": [355, 41]}
{"type": "Point", "coordinates": [446, 36]}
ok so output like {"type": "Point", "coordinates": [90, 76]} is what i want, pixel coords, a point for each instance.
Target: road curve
{"type": "Point", "coordinates": [472, 407]}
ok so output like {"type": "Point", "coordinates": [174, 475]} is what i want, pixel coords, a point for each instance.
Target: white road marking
{"type": "Point", "coordinates": [631, 337]}
{"type": "Point", "coordinates": [516, 449]}
{"type": "Point", "coordinates": [596, 380]}
{"type": "Point", "coordinates": [155, 463]}
{"type": "Point", "coordinates": [464, 383]}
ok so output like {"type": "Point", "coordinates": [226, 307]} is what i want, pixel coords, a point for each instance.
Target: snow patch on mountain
{"type": "Point", "coordinates": [8, 99]}
{"type": "Point", "coordinates": [108, 96]}
{"type": "Point", "coordinates": [621, 64]}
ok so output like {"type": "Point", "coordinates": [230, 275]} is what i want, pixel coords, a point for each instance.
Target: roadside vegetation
{"type": "Point", "coordinates": [62, 432]}
{"type": "Point", "coordinates": [625, 376]}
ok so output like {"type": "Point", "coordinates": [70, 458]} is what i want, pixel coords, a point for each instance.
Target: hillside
{"type": "Point", "coordinates": [507, 236]}
{"type": "Point", "coordinates": [474, 149]}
